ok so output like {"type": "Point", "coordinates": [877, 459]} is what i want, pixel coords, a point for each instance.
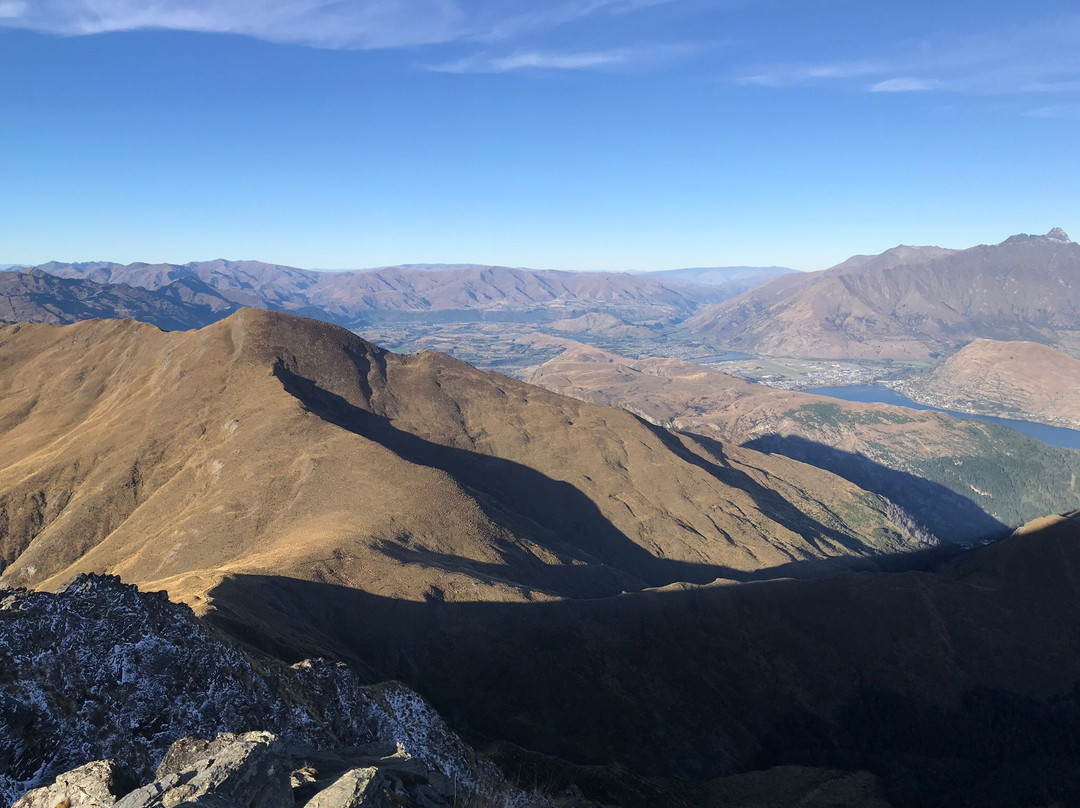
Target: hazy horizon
{"type": "Point", "coordinates": [478, 264]}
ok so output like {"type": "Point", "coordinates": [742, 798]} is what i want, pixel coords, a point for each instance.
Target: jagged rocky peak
{"type": "Point", "coordinates": [1056, 235]}
{"type": "Point", "coordinates": [101, 671]}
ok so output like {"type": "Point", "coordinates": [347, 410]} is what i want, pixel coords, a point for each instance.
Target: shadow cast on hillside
{"type": "Point", "coordinates": [768, 501]}
{"type": "Point", "coordinates": [937, 509]}
{"type": "Point", "coordinates": [597, 559]}
{"type": "Point", "coordinates": [701, 682]}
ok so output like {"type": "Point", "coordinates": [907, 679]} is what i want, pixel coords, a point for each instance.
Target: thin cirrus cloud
{"type": "Point", "coordinates": [623, 58]}
{"type": "Point", "coordinates": [318, 23]}
{"type": "Point", "coordinates": [532, 60]}
{"type": "Point", "coordinates": [11, 9]}
{"type": "Point", "coordinates": [512, 25]}
{"type": "Point", "coordinates": [907, 85]}
{"type": "Point", "coordinates": [1039, 57]}
{"type": "Point", "coordinates": [783, 76]}
{"type": "Point", "coordinates": [359, 24]}
{"type": "Point", "coordinates": [1069, 112]}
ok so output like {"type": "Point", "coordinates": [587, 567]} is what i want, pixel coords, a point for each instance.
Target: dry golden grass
{"type": "Point", "coordinates": [268, 443]}
{"type": "Point", "coordinates": [1020, 378]}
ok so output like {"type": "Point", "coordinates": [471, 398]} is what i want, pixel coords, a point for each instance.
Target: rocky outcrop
{"type": "Point", "coordinates": [98, 784]}
{"type": "Point", "coordinates": [103, 672]}
{"type": "Point", "coordinates": [260, 770]}
{"type": "Point", "coordinates": [244, 769]}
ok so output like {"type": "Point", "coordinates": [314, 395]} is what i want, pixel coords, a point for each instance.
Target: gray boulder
{"type": "Point", "coordinates": [357, 788]}
{"type": "Point", "coordinates": [96, 785]}
{"type": "Point", "coordinates": [227, 772]}
{"type": "Point", "coordinates": [403, 783]}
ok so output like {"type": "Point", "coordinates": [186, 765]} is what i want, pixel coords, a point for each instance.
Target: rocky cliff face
{"type": "Point", "coordinates": [102, 671]}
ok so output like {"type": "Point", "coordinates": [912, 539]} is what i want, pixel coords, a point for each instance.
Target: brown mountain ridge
{"type": "Point", "coordinates": [267, 442]}
{"type": "Point", "coordinates": [355, 298]}
{"type": "Point", "coordinates": [963, 480]}
{"type": "Point", "coordinates": [1023, 380]}
{"type": "Point", "coordinates": [554, 574]}
{"type": "Point", "coordinates": [35, 296]}
{"type": "Point", "coordinates": [910, 303]}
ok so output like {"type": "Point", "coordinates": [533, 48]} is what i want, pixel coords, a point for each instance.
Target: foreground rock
{"type": "Point", "coordinates": [98, 783]}
{"type": "Point", "coordinates": [102, 672]}
{"type": "Point", "coordinates": [258, 769]}
{"type": "Point", "coordinates": [247, 769]}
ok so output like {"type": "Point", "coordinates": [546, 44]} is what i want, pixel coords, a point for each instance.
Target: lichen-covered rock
{"type": "Point", "coordinates": [98, 784]}
{"type": "Point", "coordinates": [188, 753]}
{"type": "Point", "coordinates": [396, 783]}
{"type": "Point", "coordinates": [356, 788]}
{"type": "Point", "coordinates": [231, 770]}
{"type": "Point", "coordinates": [103, 671]}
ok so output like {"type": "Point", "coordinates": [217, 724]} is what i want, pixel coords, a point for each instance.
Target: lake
{"type": "Point", "coordinates": [873, 394]}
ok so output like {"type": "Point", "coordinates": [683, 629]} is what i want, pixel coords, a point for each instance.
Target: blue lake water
{"type": "Point", "coordinates": [872, 394]}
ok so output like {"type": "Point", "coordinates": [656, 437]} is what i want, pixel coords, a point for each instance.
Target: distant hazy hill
{"type": "Point", "coordinates": [38, 297]}
{"type": "Point", "coordinates": [422, 292]}
{"type": "Point", "coordinates": [719, 276]}
{"type": "Point", "coordinates": [910, 302]}
{"type": "Point", "coordinates": [244, 283]}
{"type": "Point", "coordinates": [1013, 379]}
{"type": "Point", "coordinates": [951, 474]}
{"type": "Point", "coordinates": [897, 256]}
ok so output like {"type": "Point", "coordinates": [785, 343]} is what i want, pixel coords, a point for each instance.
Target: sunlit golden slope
{"type": "Point", "coordinates": [271, 443]}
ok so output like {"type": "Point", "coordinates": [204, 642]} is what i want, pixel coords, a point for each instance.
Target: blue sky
{"type": "Point", "coordinates": [576, 134]}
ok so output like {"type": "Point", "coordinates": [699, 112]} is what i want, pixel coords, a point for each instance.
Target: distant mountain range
{"type": "Point", "coordinates": [909, 302]}
{"type": "Point", "coordinates": [713, 276]}
{"type": "Point", "coordinates": [425, 292]}
{"type": "Point", "coordinates": [35, 296]}
{"type": "Point", "coordinates": [719, 276]}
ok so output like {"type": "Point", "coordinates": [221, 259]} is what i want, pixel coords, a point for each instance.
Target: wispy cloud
{"type": "Point", "coordinates": [479, 63]}
{"type": "Point", "coordinates": [1061, 111]}
{"type": "Point", "coordinates": [620, 58]}
{"type": "Point", "coordinates": [506, 24]}
{"type": "Point", "coordinates": [1041, 57]}
{"type": "Point", "coordinates": [785, 75]}
{"type": "Point", "coordinates": [906, 85]}
{"type": "Point", "coordinates": [319, 23]}
{"type": "Point", "coordinates": [11, 9]}
{"type": "Point", "coordinates": [1052, 86]}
